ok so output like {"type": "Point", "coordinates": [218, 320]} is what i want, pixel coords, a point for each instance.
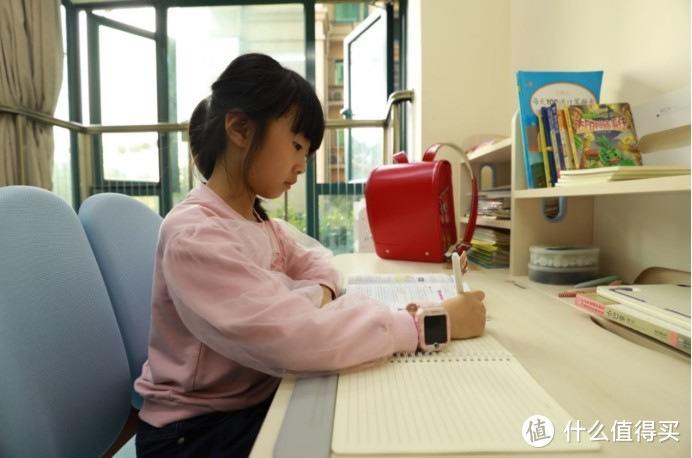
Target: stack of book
{"type": "Point", "coordinates": [490, 247]}
{"type": "Point", "coordinates": [619, 173]}
{"type": "Point", "coordinates": [495, 203]}
{"type": "Point", "coordinates": [660, 312]}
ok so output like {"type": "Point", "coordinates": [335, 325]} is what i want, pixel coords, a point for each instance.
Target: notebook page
{"type": "Point", "coordinates": [473, 397]}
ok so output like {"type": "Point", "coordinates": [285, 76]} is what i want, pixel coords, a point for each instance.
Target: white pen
{"type": "Point", "coordinates": [458, 272]}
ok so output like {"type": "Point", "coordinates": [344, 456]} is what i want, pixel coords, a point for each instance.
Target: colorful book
{"type": "Point", "coordinates": [537, 89]}
{"type": "Point", "coordinates": [667, 333]}
{"type": "Point", "coordinates": [604, 135]}
{"type": "Point", "coordinates": [665, 301]}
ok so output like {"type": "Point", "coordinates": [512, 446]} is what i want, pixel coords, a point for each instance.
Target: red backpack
{"type": "Point", "coordinates": [410, 208]}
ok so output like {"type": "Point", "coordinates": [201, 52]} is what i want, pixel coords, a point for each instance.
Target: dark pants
{"type": "Point", "coordinates": [222, 434]}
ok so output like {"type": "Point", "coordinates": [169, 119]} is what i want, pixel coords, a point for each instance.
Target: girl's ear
{"type": "Point", "coordinates": [238, 128]}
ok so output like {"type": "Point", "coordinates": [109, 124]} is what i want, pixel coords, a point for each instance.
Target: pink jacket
{"type": "Point", "coordinates": [234, 308]}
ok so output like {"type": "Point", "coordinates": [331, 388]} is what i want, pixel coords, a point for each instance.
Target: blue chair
{"type": "Point", "coordinates": [123, 233]}
{"type": "Point", "coordinates": [64, 378]}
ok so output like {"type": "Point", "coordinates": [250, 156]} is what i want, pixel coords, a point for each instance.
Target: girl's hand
{"type": "Point", "coordinates": [466, 314]}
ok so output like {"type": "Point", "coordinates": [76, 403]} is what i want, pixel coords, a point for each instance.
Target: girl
{"type": "Point", "coordinates": [236, 302]}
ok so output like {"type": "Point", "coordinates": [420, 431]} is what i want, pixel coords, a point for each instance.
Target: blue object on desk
{"type": "Point", "coordinates": [597, 282]}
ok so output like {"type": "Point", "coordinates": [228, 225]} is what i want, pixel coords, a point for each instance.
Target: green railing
{"type": "Point", "coordinates": [330, 223]}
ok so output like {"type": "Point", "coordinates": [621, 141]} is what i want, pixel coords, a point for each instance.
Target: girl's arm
{"type": "Point", "coordinates": [307, 259]}
{"type": "Point", "coordinates": [267, 320]}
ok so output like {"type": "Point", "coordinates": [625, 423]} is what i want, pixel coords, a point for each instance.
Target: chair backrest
{"type": "Point", "coordinates": [64, 384]}
{"type": "Point", "coordinates": [123, 233]}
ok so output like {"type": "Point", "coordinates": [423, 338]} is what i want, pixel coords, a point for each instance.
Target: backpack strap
{"type": "Point", "coordinates": [465, 242]}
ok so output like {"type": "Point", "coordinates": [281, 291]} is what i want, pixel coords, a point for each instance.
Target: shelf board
{"type": "Point", "coordinates": [497, 152]}
{"type": "Point", "coordinates": [489, 222]}
{"type": "Point", "coordinates": [648, 186]}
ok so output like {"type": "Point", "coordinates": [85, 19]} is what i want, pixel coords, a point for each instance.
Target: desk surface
{"type": "Point", "coordinates": [597, 376]}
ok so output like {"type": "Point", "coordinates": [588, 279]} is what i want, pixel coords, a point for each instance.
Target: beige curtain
{"type": "Point", "coordinates": [31, 65]}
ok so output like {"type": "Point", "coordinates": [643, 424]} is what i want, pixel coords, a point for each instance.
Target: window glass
{"type": "Point", "coordinates": [350, 12]}
{"type": "Point", "coordinates": [62, 170]}
{"type": "Point", "coordinates": [366, 67]}
{"type": "Point", "coordinates": [128, 96]}
{"type": "Point", "coordinates": [339, 72]}
{"type": "Point", "coordinates": [336, 224]}
{"type": "Point", "coordinates": [204, 40]}
{"type": "Point", "coordinates": [128, 79]}
{"type": "Point", "coordinates": [141, 18]}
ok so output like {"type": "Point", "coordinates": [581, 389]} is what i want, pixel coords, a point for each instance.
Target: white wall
{"type": "Point", "coordinates": [458, 67]}
{"type": "Point", "coordinates": [643, 46]}
{"type": "Point", "coordinates": [464, 54]}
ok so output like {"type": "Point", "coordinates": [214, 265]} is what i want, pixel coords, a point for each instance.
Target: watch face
{"type": "Point", "coordinates": [435, 329]}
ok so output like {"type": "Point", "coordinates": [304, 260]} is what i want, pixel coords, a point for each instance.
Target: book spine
{"type": "Point", "coordinates": [570, 136]}
{"type": "Point", "coordinates": [590, 303]}
{"type": "Point", "coordinates": [556, 138]}
{"type": "Point", "coordinates": [548, 161]}
{"type": "Point", "coordinates": [668, 336]}
{"type": "Point", "coordinates": [564, 140]}
{"type": "Point", "coordinates": [549, 135]}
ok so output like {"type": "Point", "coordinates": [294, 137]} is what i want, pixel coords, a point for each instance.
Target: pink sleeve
{"type": "Point", "coordinates": [269, 322]}
{"type": "Point", "coordinates": [309, 263]}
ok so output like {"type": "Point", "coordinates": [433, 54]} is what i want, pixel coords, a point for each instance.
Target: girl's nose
{"type": "Point", "coordinates": [301, 167]}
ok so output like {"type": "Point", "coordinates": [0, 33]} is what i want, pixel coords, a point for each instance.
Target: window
{"type": "Point", "coordinates": [133, 73]}
{"type": "Point", "coordinates": [350, 12]}
{"type": "Point", "coordinates": [339, 72]}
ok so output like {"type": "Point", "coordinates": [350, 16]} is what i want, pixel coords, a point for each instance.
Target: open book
{"type": "Point", "coordinates": [473, 397]}
{"type": "Point", "coordinates": [397, 290]}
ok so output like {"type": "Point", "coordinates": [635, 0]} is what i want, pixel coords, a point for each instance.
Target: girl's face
{"type": "Point", "coordinates": [280, 160]}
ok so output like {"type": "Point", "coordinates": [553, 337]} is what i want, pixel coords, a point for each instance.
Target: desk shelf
{"type": "Point", "coordinates": [496, 153]}
{"type": "Point", "coordinates": [490, 222]}
{"type": "Point", "coordinates": [637, 224]}
{"type": "Point", "coordinates": [643, 186]}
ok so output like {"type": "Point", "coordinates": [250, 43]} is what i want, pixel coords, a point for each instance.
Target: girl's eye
{"type": "Point", "coordinates": [297, 146]}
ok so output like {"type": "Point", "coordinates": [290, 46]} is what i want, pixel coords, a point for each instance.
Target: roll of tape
{"type": "Point", "coordinates": [563, 257]}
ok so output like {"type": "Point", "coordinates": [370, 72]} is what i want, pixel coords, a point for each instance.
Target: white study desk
{"type": "Point", "coordinates": [594, 373]}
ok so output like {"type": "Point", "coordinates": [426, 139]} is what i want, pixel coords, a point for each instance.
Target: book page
{"type": "Point", "coordinates": [397, 290]}
{"type": "Point", "coordinates": [473, 397]}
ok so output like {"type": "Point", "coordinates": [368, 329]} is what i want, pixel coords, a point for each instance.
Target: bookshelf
{"type": "Point", "coordinates": [491, 165]}
{"type": "Point", "coordinates": [637, 224]}
{"type": "Point", "coordinates": [497, 159]}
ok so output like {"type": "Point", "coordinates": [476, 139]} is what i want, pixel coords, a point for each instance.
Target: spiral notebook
{"type": "Point", "coordinates": [473, 397]}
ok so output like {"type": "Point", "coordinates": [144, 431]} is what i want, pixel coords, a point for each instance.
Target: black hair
{"type": "Point", "coordinates": [195, 129]}
{"type": "Point", "coordinates": [262, 89]}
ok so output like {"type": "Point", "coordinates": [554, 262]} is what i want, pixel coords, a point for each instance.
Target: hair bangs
{"type": "Point", "coordinates": [308, 116]}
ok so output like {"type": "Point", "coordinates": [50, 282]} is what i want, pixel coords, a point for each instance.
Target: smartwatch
{"type": "Point", "coordinates": [432, 323]}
